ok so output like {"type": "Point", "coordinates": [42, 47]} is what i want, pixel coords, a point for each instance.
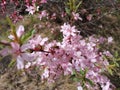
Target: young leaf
{"type": "Point", "coordinates": [116, 54]}
{"type": "Point", "coordinates": [82, 72]}
{"type": "Point", "coordinates": [27, 36]}
{"type": "Point", "coordinates": [12, 63]}
{"type": "Point", "coordinates": [10, 23]}
{"type": "Point", "coordinates": [78, 6]}
{"type": "Point", "coordinates": [67, 11]}
{"type": "Point", "coordinates": [90, 82]}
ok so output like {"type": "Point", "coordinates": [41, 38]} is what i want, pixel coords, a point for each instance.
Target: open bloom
{"type": "Point", "coordinates": [20, 54]}
{"type": "Point", "coordinates": [32, 9]}
{"type": "Point", "coordinates": [67, 30]}
{"type": "Point", "coordinates": [19, 51]}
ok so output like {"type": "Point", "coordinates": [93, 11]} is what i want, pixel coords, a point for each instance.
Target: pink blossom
{"type": "Point", "coordinates": [19, 32]}
{"type": "Point", "coordinates": [20, 63]}
{"type": "Point", "coordinates": [43, 1]}
{"type": "Point", "coordinates": [67, 30]}
{"type": "Point", "coordinates": [11, 37]}
{"type": "Point", "coordinates": [27, 65]}
{"type": "Point", "coordinates": [53, 16]}
{"type": "Point", "coordinates": [107, 53]}
{"type": "Point", "coordinates": [79, 88]}
{"type": "Point", "coordinates": [67, 68]}
{"type": "Point", "coordinates": [33, 1]}
{"type": "Point", "coordinates": [21, 56]}
{"type": "Point", "coordinates": [5, 52]}
{"type": "Point", "coordinates": [89, 17]}
{"type": "Point", "coordinates": [37, 40]}
{"type": "Point", "coordinates": [110, 39]}
{"type": "Point", "coordinates": [45, 73]}
{"type": "Point", "coordinates": [106, 87]}
{"type": "Point", "coordinates": [76, 16]}
{"type": "Point", "coordinates": [15, 17]}
{"type": "Point", "coordinates": [31, 9]}
{"type": "Point", "coordinates": [63, 14]}
{"type": "Point", "coordinates": [60, 58]}
{"type": "Point", "coordinates": [43, 14]}
{"type": "Point", "coordinates": [90, 46]}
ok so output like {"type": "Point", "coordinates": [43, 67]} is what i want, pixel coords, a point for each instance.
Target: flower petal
{"type": "Point", "coordinates": [20, 62]}
{"type": "Point", "coordinates": [20, 31]}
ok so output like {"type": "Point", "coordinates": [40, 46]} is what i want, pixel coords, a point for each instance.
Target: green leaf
{"type": "Point", "coordinates": [116, 54]}
{"type": "Point", "coordinates": [116, 64]}
{"type": "Point", "coordinates": [78, 6]}
{"type": "Point", "coordinates": [12, 26]}
{"type": "Point", "coordinates": [75, 79]}
{"type": "Point", "coordinates": [67, 10]}
{"type": "Point", "coordinates": [10, 23]}
{"type": "Point", "coordinates": [110, 71]}
{"type": "Point", "coordinates": [82, 72]}
{"type": "Point", "coordinates": [90, 82]}
{"type": "Point", "coordinates": [12, 63]}
{"type": "Point", "coordinates": [118, 59]}
{"type": "Point", "coordinates": [27, 36]}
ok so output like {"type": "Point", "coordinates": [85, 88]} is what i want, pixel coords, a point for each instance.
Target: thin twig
{"type": "Point", "coordinates": [4, 43]}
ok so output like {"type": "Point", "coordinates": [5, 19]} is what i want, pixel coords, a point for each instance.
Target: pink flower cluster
{"type": "Point", "coordinates": [3, 5]}
{"type": "Point", "coordinates": [62, 58]}
{"type": "Point", "coordinates": [73, 53]}
{"type": "Point", "coordinates": [15, 17]}
{"type": "Point", "coordinates": [31, 7]}
{"type": "Point", "coordinates": [34, 6]}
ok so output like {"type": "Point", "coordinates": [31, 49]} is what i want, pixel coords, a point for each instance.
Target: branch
{"type": "Point", "coordinates": [5, 43]}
